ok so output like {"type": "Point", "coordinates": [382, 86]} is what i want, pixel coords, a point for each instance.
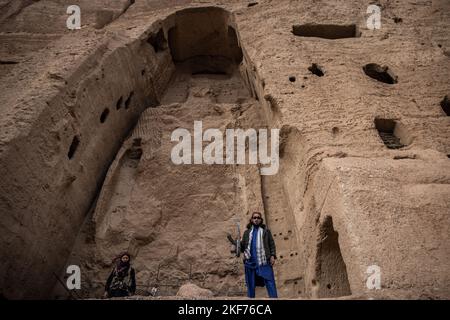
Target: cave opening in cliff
{"type": "Point", "coordinates": [129, 99]}
{"type": "Point", "coordinates": [104, 115]}
{"type": "Point", "coordinates": [379, 73]}
{"type": "Point", "coordinates": [331, 274]}
{"type": "Point", "coordinates": [135, 152]}
{"type": "Point", "coordinates": [326, 31]}
{"type": "Point", "coordinates": [8, 62]}
{"type": "Point", "coordinates": [73, 147]}
{"type": "Point", "coordinates": [316, 70]}
{"type": "Point", "coordinates": [445, 105]}
{"type": "Point", "coordinates": [200, 78]}
{"type": "Point", "coordinates": [158, 41]}
{"type": "Point", "coordinates": [391, 133]}
{"type": "Point", "coordinates": [119, 103]}
{"type": "Point", "coordinates": [203, 42]}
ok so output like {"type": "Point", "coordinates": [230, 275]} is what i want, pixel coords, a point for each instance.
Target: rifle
{"type": "Point", "coordinates": [236, 243]}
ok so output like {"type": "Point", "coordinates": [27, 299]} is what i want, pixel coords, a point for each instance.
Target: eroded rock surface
{"type": "Point", "coordinates": [364, 157]}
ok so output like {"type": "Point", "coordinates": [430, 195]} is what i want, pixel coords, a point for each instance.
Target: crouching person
{"type": "Point", "coordinates": [122, 281]}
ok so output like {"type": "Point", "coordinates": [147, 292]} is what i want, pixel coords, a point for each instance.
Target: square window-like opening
{"type": "Point", "coordinates": [392, 134]}
{"type": "Point", "coordinates": [326, 31]}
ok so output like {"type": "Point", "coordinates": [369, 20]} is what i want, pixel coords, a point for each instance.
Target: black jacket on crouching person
{"type": "Point", "coordinates": [269, 243]}
{"type": "Point", "coordinates": [122, 279]}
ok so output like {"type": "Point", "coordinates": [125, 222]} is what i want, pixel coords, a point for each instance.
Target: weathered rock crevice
{"type": "Point", "coordinates": [75, 145]}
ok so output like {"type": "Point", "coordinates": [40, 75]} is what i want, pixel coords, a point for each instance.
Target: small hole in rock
{"type": "Point", "coordinates": [329, 286]}
{"type": "Point", "coordinates": [398, 20]}
{"type": "Point", "coordinates": [445, 105]}
{"type": "Point", "coordinates": [73, 147]}
{"type": "Point", "coordinates": [104, 115]}
{"type": "Point", "coordinates": [382, 74]}
{"type": "Point", "coordinates": [137, 142]}
{"type": "Point", "coordinates": [292, 79]}
{"type": "Point", "coordinates": [128, 102]}
{"type": "Point", "coordinates": [316, 69]}
{"type": "Point", "coordinates": [251, 4]}
{"type": "Point", "coordinates": [158, 41]}
{"type": "Point", "coordinates": [335, 130]}
{"type": "Point", "coordinates": [119, 103]}
{"type": "Point", "coordinates": [135, 153]}
{"type": "Point", "coordinates": [143, 72]}
{"type": "Point", "coordinates": [8, 62]}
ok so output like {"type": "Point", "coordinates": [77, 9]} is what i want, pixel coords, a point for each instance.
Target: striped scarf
{"type": "Point", "coordinates": [260, 253]}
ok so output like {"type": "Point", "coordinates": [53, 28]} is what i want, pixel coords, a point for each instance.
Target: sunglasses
{"type": "Point", "coordinates": [256, 218]}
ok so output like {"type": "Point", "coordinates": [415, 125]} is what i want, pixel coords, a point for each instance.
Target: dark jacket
{"type": "Point", "coordinates": [129, 283]}
{"type": "Point", "coordinates": [269, 243]}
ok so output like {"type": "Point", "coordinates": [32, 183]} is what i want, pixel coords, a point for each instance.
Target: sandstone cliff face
{"type": "Point", "coordinates": [85, 144]}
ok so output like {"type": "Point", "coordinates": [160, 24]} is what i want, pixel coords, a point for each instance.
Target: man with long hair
{"type": "Point", "coordinates": [259, 251]}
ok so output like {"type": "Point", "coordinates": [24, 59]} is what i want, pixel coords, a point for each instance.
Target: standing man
{"type": "Point", "coordinates": [259, 251]}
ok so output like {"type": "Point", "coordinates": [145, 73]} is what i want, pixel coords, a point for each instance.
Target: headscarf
{"type": "Point", "coordinates": [122, 267]}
